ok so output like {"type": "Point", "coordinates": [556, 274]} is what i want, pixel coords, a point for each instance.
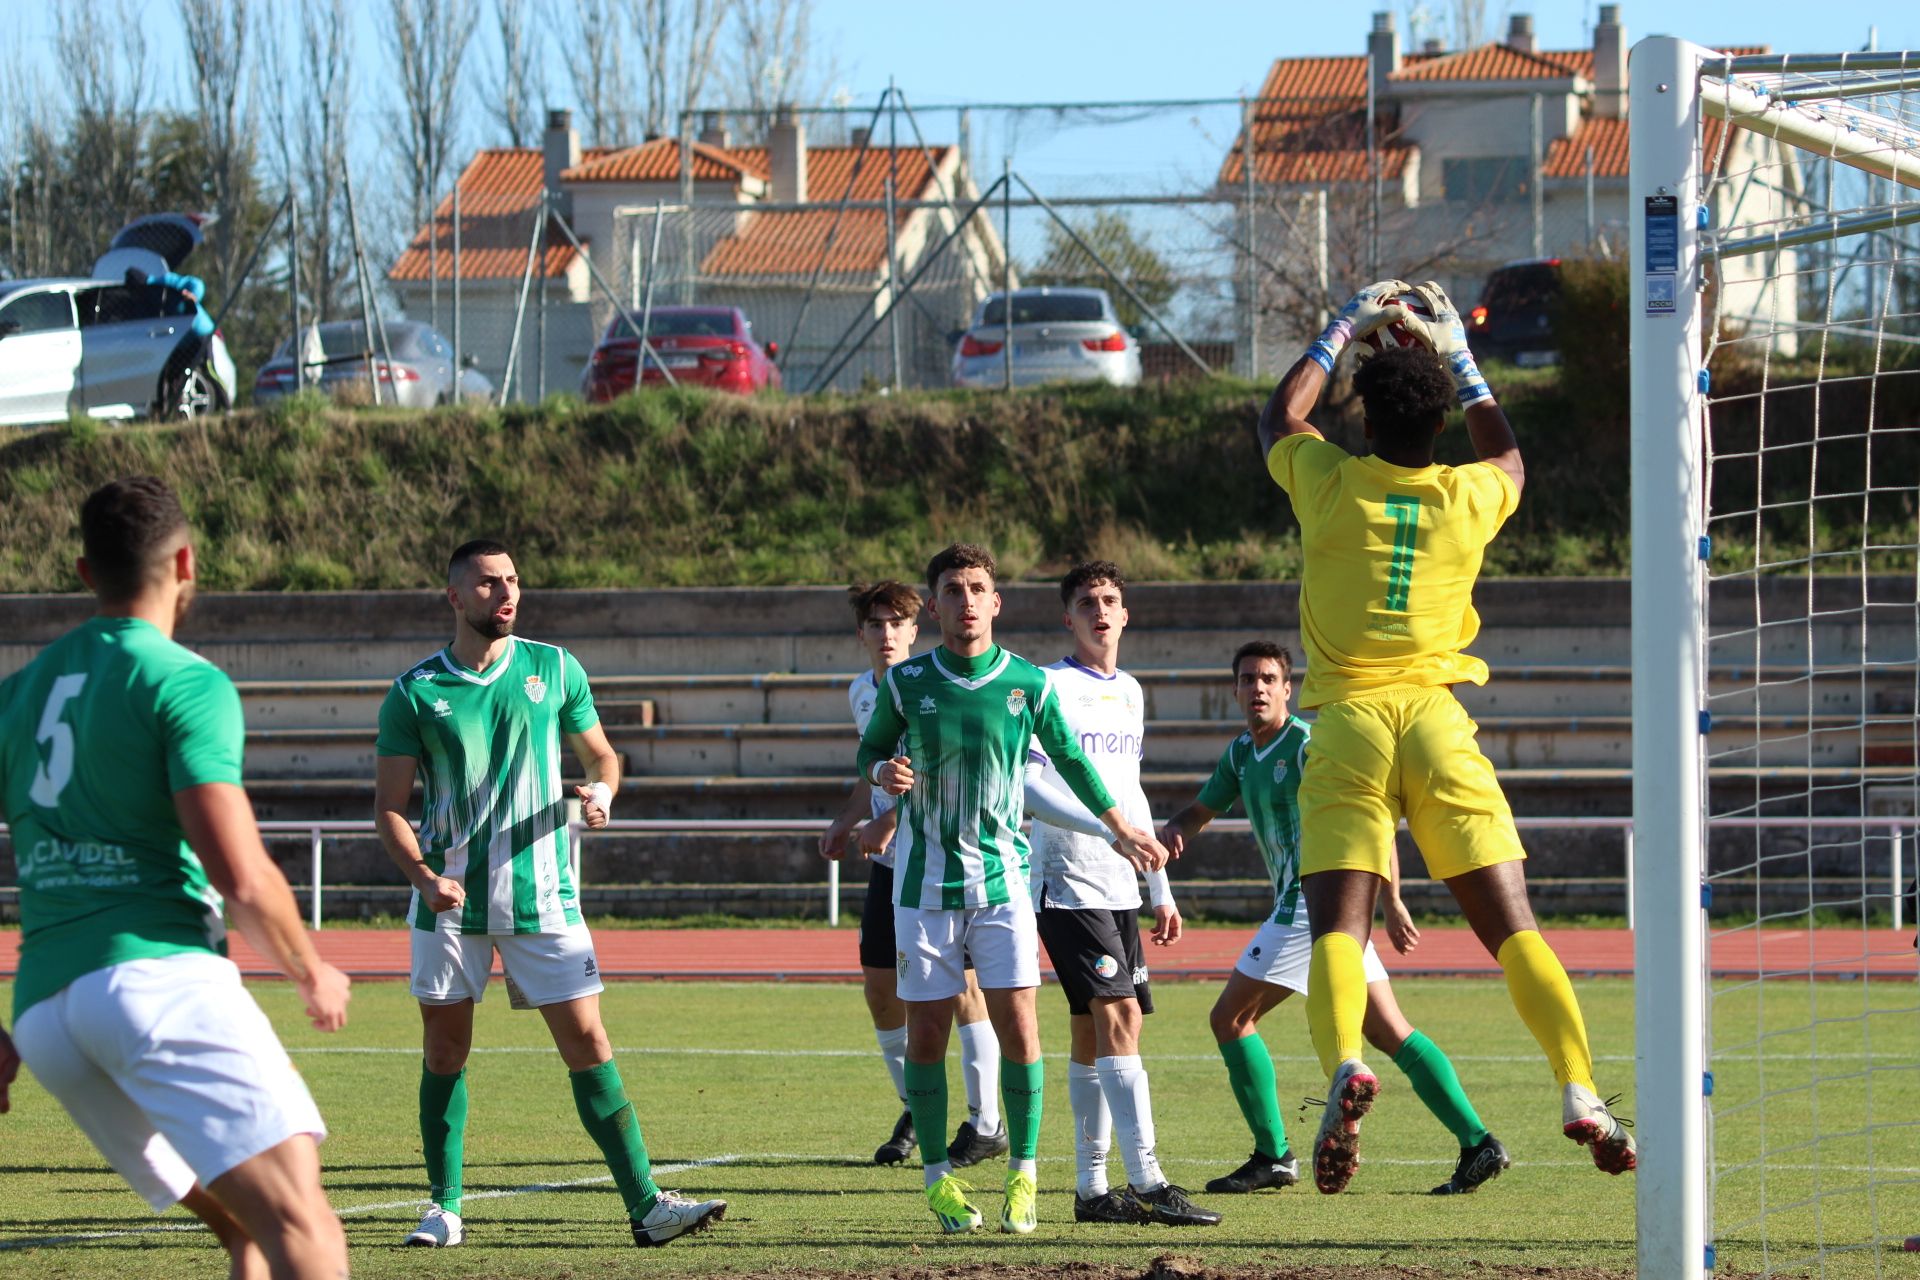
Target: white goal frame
{"type": "Point", "coordinates": [1668, 101]}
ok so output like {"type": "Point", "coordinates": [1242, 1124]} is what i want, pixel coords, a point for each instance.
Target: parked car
{"type": "Point", "coordinates": [101, 346]}
{"type": "Point", "coordinates": [1514, 320]}
{"type": "Point", "coordinates": [341, 356]}
{"type": "Point", "coordinates": [1059, 335]}
{"type": "Point", "coordinates": [700, 346]}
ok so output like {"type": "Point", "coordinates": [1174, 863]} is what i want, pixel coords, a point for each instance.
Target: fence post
{"type": "Point", "coordinates": [314, 894]}
{"type": "Point", "coordinates": [1534, 179]}
{"type": "Point", "coordinates": [1006, 267]}
{"type": "Point", "coordinates": [1899, 891]}
{"type": "Point", "coordinates": [1628, 832]}
{"type": "Point", "coordinates": [833, 893]}
{"type": "Point", "coordinates": [1247, 112]}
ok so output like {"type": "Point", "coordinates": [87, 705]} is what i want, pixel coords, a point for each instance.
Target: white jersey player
{"type": "Point", "coordinates": [1088, 903]}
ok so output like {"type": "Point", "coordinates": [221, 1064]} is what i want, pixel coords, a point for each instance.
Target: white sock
{"type": "Point", "coordinates": [980, 1068]}
{"type": "Point", "coordinates": [1092, 1129]}
{"type": "Point", "coordinates": [1124, 1082]}
{"type": "Point", "coordinates": [893, 1051]}
{"type": "Point", "coordinates": [936, 1171]}
{"type": "Point", "coordinates": [1029, 1167]}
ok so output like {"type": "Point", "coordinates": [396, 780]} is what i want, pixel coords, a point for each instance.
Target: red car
{"type": "Point", "coordinates": [700, 346]}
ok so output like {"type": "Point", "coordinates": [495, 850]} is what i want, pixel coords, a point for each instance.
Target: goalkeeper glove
{"type": "Point", "coordinates": [1371, 309]}
{"type": "Point", "coordinates": [1448, 337]}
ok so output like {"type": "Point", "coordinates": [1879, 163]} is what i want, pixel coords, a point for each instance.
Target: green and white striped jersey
{"type": "Point", "coordinates": [494, 814]}
{"type": "Point", "coordinates": [967, 724]}
{"type": "Point", "coordinates": [1266, 782]}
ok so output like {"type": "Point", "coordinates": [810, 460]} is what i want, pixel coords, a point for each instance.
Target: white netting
{"type": "Point", "coordinates": [1812, 625]}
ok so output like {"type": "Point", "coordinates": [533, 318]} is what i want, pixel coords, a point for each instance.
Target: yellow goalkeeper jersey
{"type": "Point", "coordinates": [1391, 554]}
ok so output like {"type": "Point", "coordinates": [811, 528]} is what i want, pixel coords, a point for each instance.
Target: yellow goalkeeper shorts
{"type": "Point", "coordinates": [1401, 752]}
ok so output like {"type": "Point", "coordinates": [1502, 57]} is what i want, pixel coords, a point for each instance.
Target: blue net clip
{"type": "Point", "coordinates": [1706, 381]}
{"type": "Point", "coordinates": [1701, 219]}
{"type": "Point", "coordinates": [1706, 722]}
{"type": "Point", "coordinates": [1705, 548]}
{"type": "Point", "coordinates": [1706, 897]}
{"type": "Point", "coordinates": [1706, 1084]}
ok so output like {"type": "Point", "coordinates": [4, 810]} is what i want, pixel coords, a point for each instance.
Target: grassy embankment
{"type": "Point", "coordinates": [685, 488]}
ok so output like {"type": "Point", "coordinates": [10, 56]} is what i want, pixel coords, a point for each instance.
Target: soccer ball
{"type": "Point", "coordinates": [1411, 332]}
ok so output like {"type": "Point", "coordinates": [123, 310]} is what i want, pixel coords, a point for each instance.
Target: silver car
{"type": "Point", "coordinates": [1059, 335]}
{"type": "Point", "coordinates": [345, 362]}
{"type": "Point", "coordinates": [101, 346]}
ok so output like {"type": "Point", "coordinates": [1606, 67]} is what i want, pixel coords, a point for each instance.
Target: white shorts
{"type": "Point", "coordinates": [170, 1068]}
{"type": "Point", "coordinates": [541, 968]}
{"type": "Point", "coordinates": [1280, 955]}
{"type": "Point", "coordinates": [934, 946]}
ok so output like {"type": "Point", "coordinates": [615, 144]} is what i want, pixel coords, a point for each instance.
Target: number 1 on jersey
{"type": "Point", "coordinates": [1406, 528]}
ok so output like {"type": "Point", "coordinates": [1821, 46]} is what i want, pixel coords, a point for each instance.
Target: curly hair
{"type": "Point", "coordinates": [1406, 392]}
{"type": "Point", "coordinates": [1088, 572]}
{"type": "Point", "coordinates": [961, 555]}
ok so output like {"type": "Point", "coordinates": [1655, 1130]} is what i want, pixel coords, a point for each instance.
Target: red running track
{"type": "Point", "coordinates": [828, 955]}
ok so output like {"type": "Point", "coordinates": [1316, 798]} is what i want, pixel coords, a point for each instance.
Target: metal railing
{"type": "Point", "coordinates": [318, 831]}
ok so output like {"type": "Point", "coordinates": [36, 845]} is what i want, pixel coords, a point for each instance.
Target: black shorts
{"type": "Point", "coordinates": [877, 949]}
{"type": "Point", "coordinates": [1096, 955]}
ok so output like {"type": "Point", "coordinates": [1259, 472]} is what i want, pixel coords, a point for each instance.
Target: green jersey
{"type": "Point", "coordinates": [967, 724]}
{"type": "Point", "coordinates": [494, 812]}
{"type": "Point", "coordinates": [1266, 782]}
{"type": "Point", "coordinates": [96, 735]}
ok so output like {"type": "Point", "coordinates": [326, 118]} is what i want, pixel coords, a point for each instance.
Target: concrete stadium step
{"type": "Point", "coordinates": [774, 750]}
{"type": "Point", "coordinates": [1545, 792]}
{"type": "Point", "coordinates": [1172, 694]}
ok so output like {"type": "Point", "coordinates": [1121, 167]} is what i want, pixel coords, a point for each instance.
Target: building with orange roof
{"type": "Point", "coordinates": [759, 227]}
{"type": "Point", "coordinates": [1483, 156]}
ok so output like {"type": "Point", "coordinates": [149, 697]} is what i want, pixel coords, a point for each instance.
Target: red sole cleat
{"type": "Point", "coordinates": [1611, 1154]}
{"type": "Point", "coordinates": [1336, 1152]}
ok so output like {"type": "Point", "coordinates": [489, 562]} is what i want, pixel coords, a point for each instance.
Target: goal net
{"type": "Point", "coordinates": [1775, 295]}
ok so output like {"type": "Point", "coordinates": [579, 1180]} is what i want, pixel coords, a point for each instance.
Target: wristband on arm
{"type": "Point", "coordinates": [599, 793]}
{"type": "Point", "coordinates": [1325, 349]}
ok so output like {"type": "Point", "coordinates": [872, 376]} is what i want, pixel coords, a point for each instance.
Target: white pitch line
{"type": "Point", "coordinates": [531, 1188]}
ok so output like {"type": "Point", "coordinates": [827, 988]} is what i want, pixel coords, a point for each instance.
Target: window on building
{"type": "Point", "coordinates": [1486, 179]}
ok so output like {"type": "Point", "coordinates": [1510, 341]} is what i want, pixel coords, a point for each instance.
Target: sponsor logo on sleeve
{"type": "Point", "coordinates": [912, 669]}
{"type": "Point", "coordinates": [421, 673]}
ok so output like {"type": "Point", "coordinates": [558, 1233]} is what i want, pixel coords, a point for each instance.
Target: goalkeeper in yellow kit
{"type": "Point", "coordinates": [1392, 543]}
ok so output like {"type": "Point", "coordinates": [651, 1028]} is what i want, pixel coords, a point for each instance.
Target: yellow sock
{"type": "Point", "coordinates": [1540, 990]}
{"type": "Point", "coordinates": [1336, 999]}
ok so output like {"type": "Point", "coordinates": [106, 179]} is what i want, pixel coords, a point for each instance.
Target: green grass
{"type": "Point", "coordinates": [790, 1134]}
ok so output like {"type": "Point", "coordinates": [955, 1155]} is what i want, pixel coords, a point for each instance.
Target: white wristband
{"type": "Point", "coordinates": [1159, 891]}
{"type": "Point", "coordinates": [601, 795]}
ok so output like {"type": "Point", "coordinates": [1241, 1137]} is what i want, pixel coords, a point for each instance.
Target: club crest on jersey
{"type": "Point", "coordinates": [1280, 772]}
{"type": "Point", "coordinates": [536, 689]}
{"type": "Point", "coordinates": [928, 706]}
{"type": "Point", "coordinates": [1017, 702]}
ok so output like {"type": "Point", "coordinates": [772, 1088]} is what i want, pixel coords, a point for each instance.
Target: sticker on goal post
{"type": "Point", "coordinates": [1663, 254]}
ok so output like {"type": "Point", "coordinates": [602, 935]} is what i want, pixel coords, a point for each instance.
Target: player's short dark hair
{"type": "Point", "coordinates": [1406, 392]}
{"type": "Point", "coordinates": [1263, 649]}
{"type": "Point", "coordinates": [1088, 572]}
{"type": "Point", "coordinates": [865, 597]}
{"type": "Point", "coordinates": [473, 550]}
{"type": "Point", "coordinates": [127, 528]}
{"type": "Point", "coordinates": [961, 555]}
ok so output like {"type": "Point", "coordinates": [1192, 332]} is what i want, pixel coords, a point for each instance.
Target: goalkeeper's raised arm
{"type": "Point", "coordinates": [1366, 312]}
{"type": "Point", "coordinates": [1487, 426]}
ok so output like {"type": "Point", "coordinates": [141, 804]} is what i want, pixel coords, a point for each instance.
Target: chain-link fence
{"type": "Point", "coordinates": [864, 251]}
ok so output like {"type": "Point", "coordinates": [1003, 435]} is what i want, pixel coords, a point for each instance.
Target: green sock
{"type": "Point", "coordinates": [606, 1113]}
{"type": "Point", "coordinates": [1250, 1072]}
{"type": "Point", "coordinates": [1433, 1079]}
{"type": "Point", "coordinates": [443, 1133]}
{"type": "Point", "coordinates": [1021, 1084]}
{"type": "Point", "coordinates": [927, 1099]}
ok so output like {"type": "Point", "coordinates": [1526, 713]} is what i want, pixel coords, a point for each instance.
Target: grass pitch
{"type": "Point", "coordinates": [771, 1095]}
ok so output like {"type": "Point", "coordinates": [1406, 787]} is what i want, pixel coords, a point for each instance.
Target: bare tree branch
{"type": "Point", "coordinates": [598, 70]}
{"type": "Point", "coordinates": [106, 79]}
{"type": "Point", "coordinates": [772, 60]}
{"type": "Point", "coordinates": [430, 44]}
{"type": "Point", "coordinates": [678, 41]}
{"type": "Point", "coordinates": [309, 114]}
{"type": "Point", "coordinates": [218, 34]}
{"type": "Point", "coordinates": [514, 93]}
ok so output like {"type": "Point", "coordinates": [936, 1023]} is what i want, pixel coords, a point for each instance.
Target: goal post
{"type": "Point", "coordinates": [1669, 660]}
{"type": "Point", "coordinates": [1774, 294]}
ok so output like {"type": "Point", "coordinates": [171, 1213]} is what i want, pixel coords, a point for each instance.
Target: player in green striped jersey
{"type": "Point", "coordinates": [482, 722]}
{"type": "Point", "coordinates": [1260, 770]}
{"type": "Point", "coordinates": [968, 711]}
{"type": "Point", "coordinates": [120, 780]}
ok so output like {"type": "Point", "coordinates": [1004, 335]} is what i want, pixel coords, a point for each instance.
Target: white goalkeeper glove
{"type": "Point", "coordinates": [1447, 335]}
{"type": "Point", "coordinates": [1372, 309]}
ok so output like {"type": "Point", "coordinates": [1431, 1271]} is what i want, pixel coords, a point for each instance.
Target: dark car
{"type": "Point", "coordinates": [1514, 321]}
{"type": "Point", "coordinates": [700, 346]}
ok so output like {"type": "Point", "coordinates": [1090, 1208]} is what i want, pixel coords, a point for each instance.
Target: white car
{"type": "Point", "coordinates": [99, 346]}
{"type": "Point", "coordinates": [1059, 335]}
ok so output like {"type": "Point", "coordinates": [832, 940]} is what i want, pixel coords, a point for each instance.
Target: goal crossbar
{"type": "Point", "coordinates": [1822, 126]}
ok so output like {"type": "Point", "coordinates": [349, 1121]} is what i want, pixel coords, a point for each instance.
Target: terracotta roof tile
{"type": "Point", "coordinates": [786, 244]}
{"type": "Point", "coordinates": [1316, 165]}
{"type": "Point", "coordinates": [499, 190]}
{"type": "Point", "coordinates": [1492, 62]}
{"type": "Point", "coordinates": [1567, 157]}
{"type": "Point", "coordinates": [659, 161]}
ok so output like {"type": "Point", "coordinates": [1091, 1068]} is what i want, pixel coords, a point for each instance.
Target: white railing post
{"type": "Point", "coordinates": [1899, 890]}
{"type": "Point", "coordinates": [833, 893]}
{"type": "Point", "coordinates": [1628, 833]}
{"type": "Point", "coordinates": [315, 839]}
